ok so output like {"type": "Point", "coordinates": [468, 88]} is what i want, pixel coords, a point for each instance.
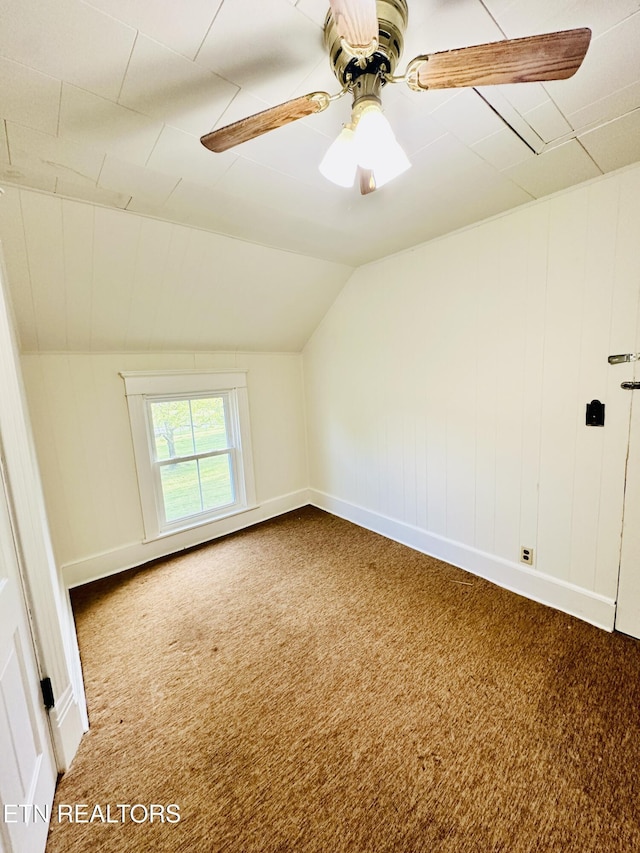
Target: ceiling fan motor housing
{"type": "Point", "coordinates": [393, 16]}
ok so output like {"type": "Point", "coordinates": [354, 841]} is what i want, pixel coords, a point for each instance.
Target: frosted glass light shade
{"type": "Point", "coordinates": [340, 163]}
{"type": "Point", "coordinates": [377, 147]}
{"type": "Point", "coordinates": [372, 145]}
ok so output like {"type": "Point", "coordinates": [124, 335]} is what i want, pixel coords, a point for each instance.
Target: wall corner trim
{"type": "Point", "coordinates": [568, 598]}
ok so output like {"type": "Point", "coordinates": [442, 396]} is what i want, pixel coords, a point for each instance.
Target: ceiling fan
{"type": "Point", "coordinates": [364, 39]}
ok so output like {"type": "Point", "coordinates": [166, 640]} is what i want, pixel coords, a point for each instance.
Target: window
{"type": "Point", "coordinates": [192, 447]}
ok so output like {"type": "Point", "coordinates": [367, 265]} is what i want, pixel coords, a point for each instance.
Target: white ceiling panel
{"type": "Point", "coordinates": [555, 169]}
{"type": "Point", "coordinates": [315, 10]}
{"type": "Point", "coordinates": [27, 175]}
{"type": "Point", "coordinates": [522, 17]}
{"type": "Point", "coordinates": [414, 124]}
{"type": "Point", "coordinates": [194, 204]}
{"type": "Point", "coordinates": [172, 24]}
{"type": "Point", "coordinates": [445, 162]}
{"type": "Point", "coordinates": [267, 58]}
{"type": "Point", "coordinates": [503, 149]}
{"type": "Point", "coordinates": [106, 126]}
{"type": "Point", "coordinates": [615, 144]}
{"type": "Point", "coordinates": [75, 188]}
{"type": "Point", "coordinates": [468, 117]}
{"type": "Point", "coordinates": [226, 213]}
{"type": "Point", "coordinates": [436, 215]}
{"type": "Point", "coordinates": [609, 107]}
{"type": "Point", "coordinates": [105, 101]}
{"type": "Point", "coordinates": [29, 97]}
{"type": "Point", "coordinates": [295, 150]}
{"type": "Point", "coordinates": [181, 154]}
{"type": "Point", "coordinates": [4, 146]}
{"type": "Point", "coordinates": [322, 79]}
{"type": "Point", "coordinates": [66, 159]}
{"type": "Point", "coordinates": [547, 121]}
{"type": "Point", "coordinates": [524, 96]}
{"type": "Point", "coordinates": [447, 25]}
{"type": "Point", "coordinates": [470, 174]}
{"type": "Point", "coordinates": [270, 188]}
{"type": "Point", "coordinates": [151, 188]}
{"type": "Point", "coordinates": [164, 85]}
{"type": "Point", "coordinates": [241, 106]}
{"type": "Point", "coordinates": [611, 64]}
{"type": "Point", "coordinates": [67, 40]}
{"type": "Point", "coordinates": [330, 122]}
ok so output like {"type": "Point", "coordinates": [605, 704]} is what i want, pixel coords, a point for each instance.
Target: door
{"type": "Point", "coordinates": [628, 607]}
{"type": "Point", "coordinates": [27, 766]}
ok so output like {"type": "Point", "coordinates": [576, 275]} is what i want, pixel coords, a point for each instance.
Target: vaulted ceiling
{"type": "Point", "coordinates": [122, 232]}
{"type": "Point", "coordinates": [105, 101]}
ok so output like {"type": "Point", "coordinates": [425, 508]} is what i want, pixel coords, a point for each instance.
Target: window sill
{"type": "Point", "coordinates": [164, 534]}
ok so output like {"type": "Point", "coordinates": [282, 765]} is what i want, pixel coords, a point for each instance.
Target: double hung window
{"type": "Point", "coordinates": [191, 442]}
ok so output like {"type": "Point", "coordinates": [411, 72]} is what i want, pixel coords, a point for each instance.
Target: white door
{"type": "Point", "coordinates": [628, 607]}
{"type": "Point", "coordinates": [27, 767]}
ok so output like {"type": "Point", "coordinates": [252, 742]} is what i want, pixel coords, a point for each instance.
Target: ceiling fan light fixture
{"type": "Point", "coordinates": [377, 148]}
{"type": "Point", "coordinates": [340, 163]}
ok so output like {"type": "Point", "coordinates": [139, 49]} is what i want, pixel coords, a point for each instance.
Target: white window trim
{"type": "Point", "coordinates": [141, 385]}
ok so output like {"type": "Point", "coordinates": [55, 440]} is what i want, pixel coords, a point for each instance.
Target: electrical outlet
{"type": "Point", "coordinates": [526, 555]}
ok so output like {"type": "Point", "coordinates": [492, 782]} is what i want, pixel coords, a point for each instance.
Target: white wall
{"type": "Point", "coordinates": [85, 278]}
{"type": "Point", "coordinates": [446, 392]}
{"type": "Point", "coordinates": [82, 434]}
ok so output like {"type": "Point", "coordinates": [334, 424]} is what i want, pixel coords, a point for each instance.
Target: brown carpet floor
{"type": "Point", "coordinates": [307, 685]}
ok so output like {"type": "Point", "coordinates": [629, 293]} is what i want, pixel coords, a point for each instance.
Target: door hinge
{"type": "Point", "coordinates": [47, 693]}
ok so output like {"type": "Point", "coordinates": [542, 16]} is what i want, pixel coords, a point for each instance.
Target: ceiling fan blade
{"type": "Point", "coordinates": [259, 123]}
{"type": "Point", "coordinates": [552, 56]}
{"type": "Point", "coordinates": [356, 22]}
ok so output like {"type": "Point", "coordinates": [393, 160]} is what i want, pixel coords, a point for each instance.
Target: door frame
{"type": "Point", "coordinates": [27, 832]}
{"type": "Point", "coordinates": [628, 599]}
{"type": "Point", "coordinates": [46, 595]}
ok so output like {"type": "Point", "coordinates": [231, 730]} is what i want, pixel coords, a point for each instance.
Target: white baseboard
{"type": "Point", "coordinates": [67, 727]}
{"type": "Point", "coordinates": [137, 553]}
{"type": "Point", "coordinates": [571, 599]}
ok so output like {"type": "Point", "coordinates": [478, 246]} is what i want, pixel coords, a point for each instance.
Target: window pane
{"type": "Point", "coordinates": [180, 490]}
{"type": "Point", "coordinates": [172, 428]}
{"type": "Point", "coordinates": [216, 476]}
{"type": "Point", "coordinates": [209, 424]}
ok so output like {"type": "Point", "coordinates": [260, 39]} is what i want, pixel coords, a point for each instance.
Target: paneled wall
{"type": "Point", "coordinates": [446, 391]}
{"type": "Point", "coordinates": [82, 434]}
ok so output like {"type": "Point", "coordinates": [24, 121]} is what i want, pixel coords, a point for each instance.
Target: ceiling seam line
{"type": "Point", "coordinates": [482, 3]}
{"type": "Point", "coordinates": [506, 123]}
{"type": "Point", "coordinates": [126, 70]}
{"type": "Point", "coordinates": [209, 28]}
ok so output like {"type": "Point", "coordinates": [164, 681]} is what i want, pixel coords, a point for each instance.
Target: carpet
{"type": "Point", "coordinates": [306, 685]}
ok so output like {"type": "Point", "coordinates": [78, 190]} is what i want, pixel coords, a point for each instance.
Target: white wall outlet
{"type": "Point", "coordinates": [526, 555]}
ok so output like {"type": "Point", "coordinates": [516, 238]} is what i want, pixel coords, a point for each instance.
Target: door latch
{"type": "Point", "coordinates": [626, 356]}
{"type": "Point", "coordinates": [630, 386]}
